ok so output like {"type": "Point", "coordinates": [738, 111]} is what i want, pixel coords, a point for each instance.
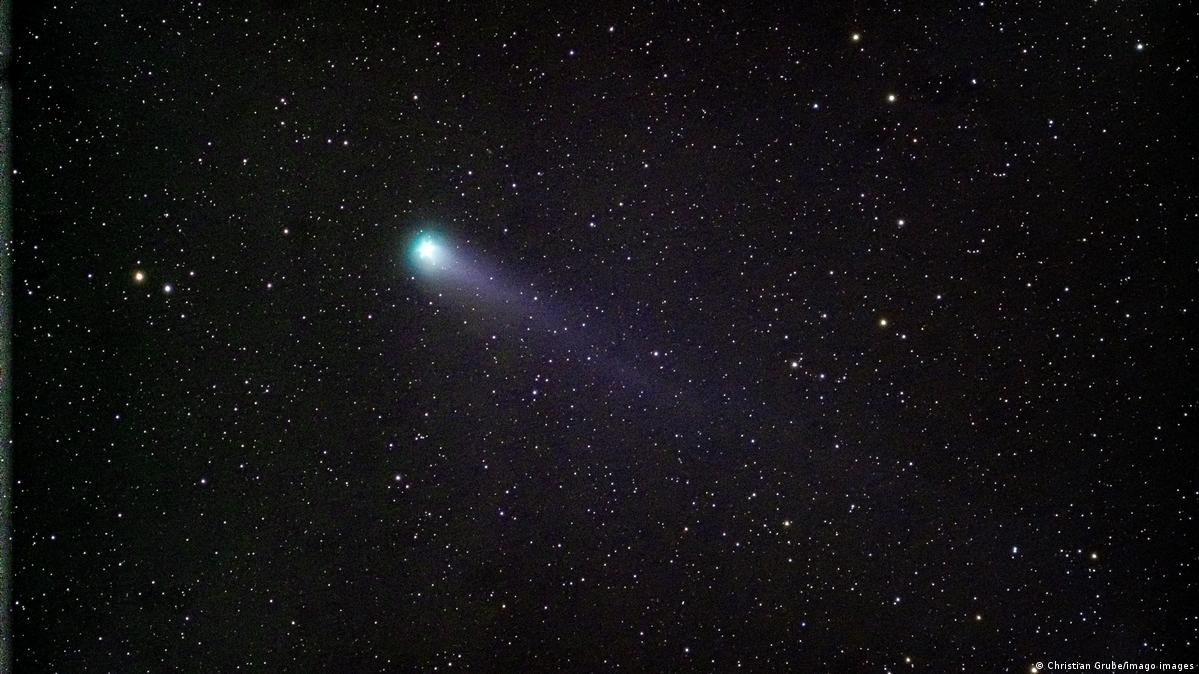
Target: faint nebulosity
{"type": "Point", "coordinates": [779, 338]}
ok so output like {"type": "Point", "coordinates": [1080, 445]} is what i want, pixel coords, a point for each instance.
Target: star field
{"type": "Point", "coordinates": [770, 338]}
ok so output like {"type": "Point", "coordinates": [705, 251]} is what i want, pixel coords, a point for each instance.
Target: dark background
{"type": "Point", "coordinates": [304, 458]}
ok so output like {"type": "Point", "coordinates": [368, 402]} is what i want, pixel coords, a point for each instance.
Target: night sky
{"type": "Point", "coordinates": [828, 338]}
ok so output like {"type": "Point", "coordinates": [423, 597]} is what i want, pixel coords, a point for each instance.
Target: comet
{"type": "Point", "coordinates": [458, 278]}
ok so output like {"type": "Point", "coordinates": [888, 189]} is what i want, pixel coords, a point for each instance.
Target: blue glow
{"type": "Point", "coordinates": [427, 252]}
